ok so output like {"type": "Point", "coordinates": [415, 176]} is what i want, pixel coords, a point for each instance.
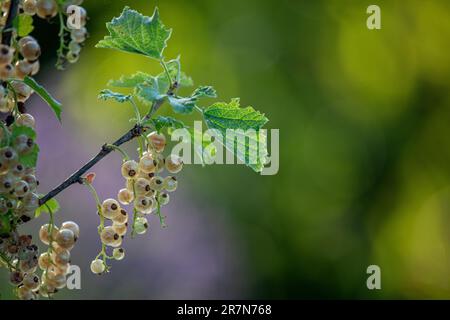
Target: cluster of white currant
{"type": "Point", "coordinates": [13, 67]}
{"type": "Point", "coordinates": [55, 262]}
{"type": "Point", "coordinates": [145, 189]}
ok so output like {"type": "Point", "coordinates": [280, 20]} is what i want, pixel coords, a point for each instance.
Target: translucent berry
{"type": "Point", "coordinates": [125, 196]}
{"type": "Point", "coordinates": [110, 208]}
{"type": "Point", "coordinates": [157, 141]}
{"type": "Point", "coordinates": [97, 266]}
{"type": "Point", "coordinates": [45, 261]}
{"type": "Point", "coordinates": [118, 253]}
{"type": "Point", "coordinates": [144, 204]}
{"type": "Point", "coordinates": [6, 54]}
{"type": "Point", "coordinates": [174, 163]}
{"type": "Point", "coordinates": [26, 119]}
{"type": "Point", "coordinates": [120, 229]}
{"type": "Point", "coordinates": [147, 164]}
{"type": "Point", "coordinates": [129, 169]}
{"type": "Point", "coordinates": [65, 238]}
{"type": "Point", "coordinates": [157, 183]}
{"type": "Point", "coordinates": [170, 183]}
{"type": "Point", "coordinates": [46, 9]}
{"type": "Point", "coordinates": [29, 7]}
{"type": "Point", "coordinates": [141, 225]}
{"type": "Point", "coordinates": [109, 235]}
{"type": "Point", "coordinates": [44, 235]}
{"type": "Point", "coordinates": [30, 50]}
{"type": "Point", "coordinates": [163, 198]}
{"type": "Point", "coordinates": [121, 218]}
{"type": "Point", "coordinates": [71, 226]}
{"type": "Point", "coordinates": [142, 186]}
{"type": "Point", "coordinates": [31, 281]}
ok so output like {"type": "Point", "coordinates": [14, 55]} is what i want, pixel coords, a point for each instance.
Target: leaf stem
{"type": "Point", "coordinates": [126, 157]}
{"type": "Point", "coordinates": [166, 70]}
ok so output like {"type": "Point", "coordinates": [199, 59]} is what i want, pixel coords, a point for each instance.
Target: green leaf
{"type": "Point", "coordinates": [174, 66]}
{"type": "Point", "coordinates": [119, 97]}
{"type": "Point", "coordinates": [51, 205]}
{"type": "Point", "coordinates": [223, 116]}
{"type": "Point", "coordinates": [132, 32]}
{"type": "Point", "coordinates": [161, 122]}
{"type": "Point", "coordinates": [187, 104]}
{"type": "Point", "coordinates": [52, 102]}
{"type": "Point", "coordinates": [30, 158]}
{"type": "Point", "coordinates": [150, 91]}
{"type": "Point", "coordinates": [205, 91]}
{"type": "Point", "coordinates": [131, 81]}
{"type": "Point", "coordinates": [23, 24]}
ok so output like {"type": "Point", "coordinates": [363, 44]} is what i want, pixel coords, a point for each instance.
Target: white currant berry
{"type": "Point", "coordinates": [31, 281]}
{"type": "Point", "coordinates": [71, 226]}
{"type": "Point", "coordinates": [24, 293]}
{"type": "Point", "coordinates": [144, 204]}
{"type": "Point", "coordinates": [121, 218]}
{"type": "Point", "coordinates": [17, 170]}
{"type": "Point", "coordinates": [72, 57]}
{"type": "Point", "coordinates": [45, 261]}
{"type": "Point", "coordinates": [157, 141]}
{"type": "Point", "coordinates": [78, 35]}
{"type": "Point", "coordinates": [23, 68]}
{"type": "Point", "coordinates": [25, 39]}
{"type": "Point", "coordinates": [174, 163]}
{"type": "Point", "coordinates": [30, 50]}
{"type": "Point", "coordinates": [170, 183]}
{"type": "Point", "coordinates": [118, 254]}
{"type": "Point", "coordinates": [46, 9]}
{"type": "Point", "coordinates": [6, 54]}
{"type": "Point", "coordinates": [61, 256]}
{"type": "Point", "coordinates": [6, 183]}
{"type": "Point", "coordinates": [22, 91]}
{"type": "Point", "coordinates": [141, 225]}
{"type": "Point", "coordinates": [116, 243]}
{"type": "Point", "coordinates": [44, 235]}
{"type": "Point", "coordinates": [130, 169]}
{"type": "Point", "coordinates": [142, 186]}
{"type": "Point", "coordinates": [125, 196]}
{"type": "Point", "coordinates": [65, 238]}
{"type": "Point", "coordinates": [82, 15]}
{"type": "Point", "coordinates": [110, 208]}
{"type": "Point", "coordinates": [97, 266]}
{"type": "Point", "coordinates": [156, 183]}
{"type": "Point", "coordinates": [36, 67]}
{"type": "Point", "coordinates": [31, 200]}
{"type": "Point", "coordinates": [29, 7]}
{"type": "Point", "coordinates": [21, 188]}
{"type": "Point", "coordinates": [55, 279]}
{"type": "Point", "coordinates": [109, 235]}
{"type": "Point", "coordinates": [26, 119]}
{"type": "Point", "coordinates": [6, 72]}
{"type": "Point", "coordinates": [120, 229]}
{"type": "Point", "coordinates": [147, 164]}
{"type": "Point", "coordinates": [23, 144]}
{"type": "Point", "coordinates": [74, 47]}
{"type": "Point", "coordinates": [163, 198]}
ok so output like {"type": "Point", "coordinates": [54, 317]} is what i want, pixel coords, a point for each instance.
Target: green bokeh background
{"type": "Point", "coordinates": [364, 135]}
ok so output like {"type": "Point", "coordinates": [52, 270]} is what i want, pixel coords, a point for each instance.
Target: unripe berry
{"type": "Point", "coordinates": [129, 169]}
{"type": "Point", "coordinates": [125, 196]}
{"type": "Point", "coordinates": [46, 8]}
{"type": "Point", "coordinates": [109, 235]}
{"type": "Point", "coordinates": [141, 225]}
{"type": "Point", "coordinates": [6, 54]}
{"type": "Point", "coordinates": [65, 238]}
{"type": "Point", "coordinates": [120, 229]}
{"type": "Point", "coordinates": [110, 208]}
{"type": "Point", "coordinates": [121, 218]}
{"type": "Point", "coordinates": [97, 266]}
{"type": "Point", "coordinates": [147, 164]}
{"type": "Point", "coordinates": [31, 281]}
{"type": "Point", "coordinates": [163, 198]}
{"type": "Point", "coordinates": [142, 186]}
{"type": "Point", "coordinates": [143, 204]}
{"type": "Point", "coordinates": [170, 183]}
{"type": "Point", "coordinates": [118, 253]}
{"type": "Point", "coordinates": [44, 233]}
{"type": "Point", "coordinates": [26, 119]}
{"type": "Point", "coordinates": [174, 163]}
{"type": "Point", "coordinates": [70, 225]}
{"type": "Point", "coordinates": [156, 183]}
{"type": "Point", "coordinates": [157, 141]}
